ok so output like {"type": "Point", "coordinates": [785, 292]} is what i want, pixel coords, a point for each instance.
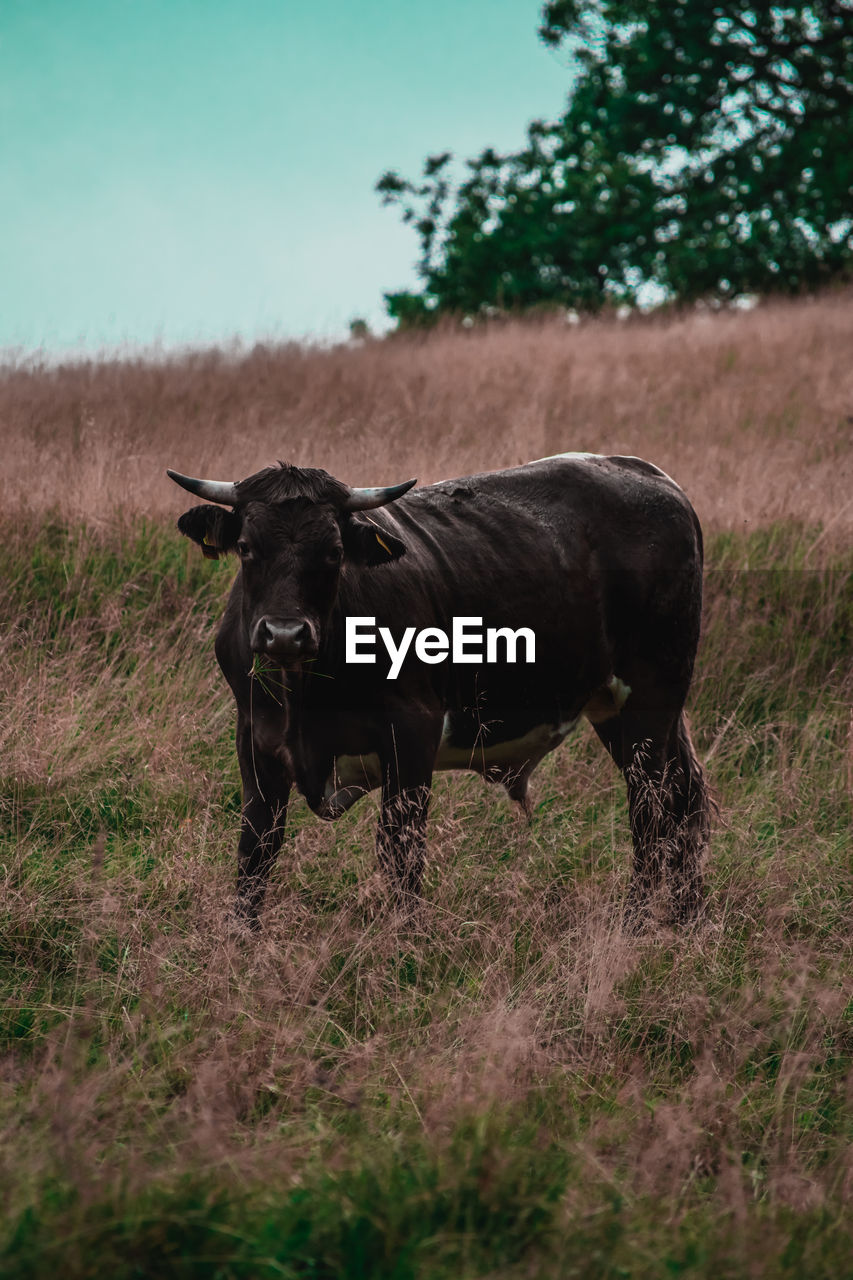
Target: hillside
{"type": "Point", "coordinates": [509, 1085]}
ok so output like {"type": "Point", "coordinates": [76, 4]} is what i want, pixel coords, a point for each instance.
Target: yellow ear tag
{"type": "Point", "coordinates": [384, 545]}
{"type": "Point", "coordinates": [209, 549]}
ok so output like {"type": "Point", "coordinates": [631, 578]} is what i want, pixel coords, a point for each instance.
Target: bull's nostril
{"type": "Point", "coordinates": [281, 638]}
{"type": "Point", "coordinates": [262, 635]}
{"type": "Point", "coordinates": [300, 633]}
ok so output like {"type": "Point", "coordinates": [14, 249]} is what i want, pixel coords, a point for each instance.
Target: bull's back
{"type": "Point", "coordinates": [627, 514]}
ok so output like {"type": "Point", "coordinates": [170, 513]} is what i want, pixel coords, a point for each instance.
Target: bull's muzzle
{"type": "Point", "coordinates": [284, 641]}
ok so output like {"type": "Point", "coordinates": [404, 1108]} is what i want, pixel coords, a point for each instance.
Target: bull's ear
{"type": "Point", "coordinates": [213, 529]}
{"type": "Point", "coordinates": [366, 543]}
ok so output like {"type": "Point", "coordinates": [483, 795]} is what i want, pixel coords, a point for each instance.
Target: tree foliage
{"type": "Point", "coordinates": [705, 152]}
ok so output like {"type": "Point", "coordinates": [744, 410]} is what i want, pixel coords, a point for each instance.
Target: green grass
{"type": "Point", "coordinates": [507, 1085]}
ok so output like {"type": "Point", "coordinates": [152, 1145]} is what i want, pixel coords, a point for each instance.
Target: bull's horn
{"type": "Point", "coordinates": [365, 499]}
{"type": "Point", "coordinates": [213, 490]}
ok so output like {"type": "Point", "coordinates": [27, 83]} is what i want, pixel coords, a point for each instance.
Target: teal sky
{"type": "Point", "coordinates": [184, 171]}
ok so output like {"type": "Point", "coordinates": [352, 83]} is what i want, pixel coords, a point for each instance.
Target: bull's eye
{"type": "Point", "coordinates": [333, 557]}
{"type": "Point", "coordinates": [243, 549]}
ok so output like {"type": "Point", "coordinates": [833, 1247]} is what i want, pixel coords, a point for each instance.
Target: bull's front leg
{"type": "Point", "coordinates": [401, 834]}
{"type": "Point", "coordinates": [266, 790]}
{"type": "Point", "coordinates": [401, 837]}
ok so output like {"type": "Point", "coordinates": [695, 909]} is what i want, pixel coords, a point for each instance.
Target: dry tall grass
{"type": "Point", "coordinates": [751, 412]}
{"type": "Point", "coordinates": [510, 1085]}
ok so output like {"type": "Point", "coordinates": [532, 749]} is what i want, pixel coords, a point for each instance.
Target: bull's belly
{"type": "Point", "coordinates": [354, 775]}
{"type": "Point", "coordinates": [514, 753]}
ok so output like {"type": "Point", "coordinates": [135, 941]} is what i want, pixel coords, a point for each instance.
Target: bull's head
{"type": "Point", "coordinates": [293, 529]}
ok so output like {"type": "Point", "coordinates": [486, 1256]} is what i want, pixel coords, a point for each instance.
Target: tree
{"type": "Point", "coordinates": [359, 329]}
{"type": "Point", "coordinates": [705, 153]}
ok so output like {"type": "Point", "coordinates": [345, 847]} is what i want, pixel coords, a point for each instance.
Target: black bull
{"type": "Point", "coordinates": [601, 557]}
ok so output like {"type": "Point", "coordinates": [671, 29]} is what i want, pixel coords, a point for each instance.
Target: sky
{"type": "Point", "coordinates": [190, 171]}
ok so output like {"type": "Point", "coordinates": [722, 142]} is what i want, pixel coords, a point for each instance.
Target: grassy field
{"type": "Point", "coordinates": [511, 1086]}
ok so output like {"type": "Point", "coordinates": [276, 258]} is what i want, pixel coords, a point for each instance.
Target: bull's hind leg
{"type": "Point", "coordinates": [668, 808]}
{"type": "Point", "coordinates": [691, 813]}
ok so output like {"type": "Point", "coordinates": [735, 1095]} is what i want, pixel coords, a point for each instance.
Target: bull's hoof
{"type": "Point", "coordinates": [688, 909]}
{"type": "Point", "coordinates": [406, 906]}
{"type": "Point", "coordinates": [243, 921]}
{"type": "Point", "coordinates": [636, 915]}
{"type": "Point", "coordinates": [407, 901]}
